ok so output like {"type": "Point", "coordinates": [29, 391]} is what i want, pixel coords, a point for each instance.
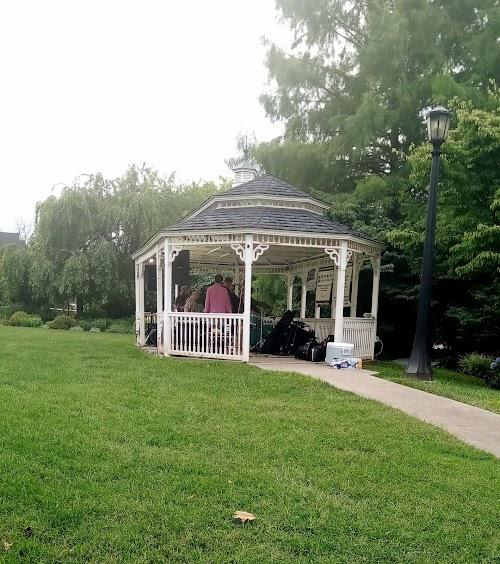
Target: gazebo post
{"type": "Point", "coordinates": [303, 294]}
{"type": "Point", "coordinates": [159, 299]}
{"type": "Point", "coordinates": [289, 294]}
{"type": "Point", "coordinates": [339, 303]}
{"type": "Point", "coordinates": [376, 284]}
{"type": "Point", "coordinates": [248, 296]}
{"type": "Point", "coordinates": [167, 322]}
{"type": "Point", "coordinates": [354, 286]}
{"type": "Point", "coordinates": [142, 329]}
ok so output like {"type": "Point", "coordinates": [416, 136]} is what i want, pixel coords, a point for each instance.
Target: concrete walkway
{"type": "Point", "coordinates": [475, 426]}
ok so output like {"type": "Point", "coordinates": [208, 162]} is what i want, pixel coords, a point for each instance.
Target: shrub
{"type": "Point", "coordinates": [6, 311]}
{"type": "Point", "coordinates": [84, 324]}
{"type": "Point", "coordinates": [493, 376]}
{"type": "Point", "coordinates": [475, 364]}
{"type": "Point", "coordinates": [18, 317]}
{"type": "Point", "coordinates": [62, 322]}
{"type": "Point", "coordinates": [76, 328]}
{"type": "Point", "coordinates": [33, 321]}
{"type": "Point", "coordinates": [23, 319]}
{"type": "Point", "coordinates": [121, 326]}
{"type": "Point", "coordinates": [101, 324]}
{"type": "Point", "coordinates": [95, 330]}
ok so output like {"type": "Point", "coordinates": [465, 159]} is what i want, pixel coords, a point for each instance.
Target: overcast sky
{"type": "Point", "coordinates": [93, 85]}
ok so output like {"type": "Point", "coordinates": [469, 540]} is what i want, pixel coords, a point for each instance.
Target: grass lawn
{"type": "Point", "coordinates": [447, 383]}
{"type": "Point", "coordinates": [110, 455]}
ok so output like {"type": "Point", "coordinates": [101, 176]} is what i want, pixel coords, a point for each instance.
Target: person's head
{"type": "Point", "coordinates": [218, 279]}
{"type": "Point", "coordinates": [195, 295]}
{"type": "Point", "coordinates": [228, 282]}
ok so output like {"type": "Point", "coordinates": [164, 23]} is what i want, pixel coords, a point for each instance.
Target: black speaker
{"type": "Point", "coordinates": [180, 269]}
{"type": "Point", "coordinates": [150, 277]}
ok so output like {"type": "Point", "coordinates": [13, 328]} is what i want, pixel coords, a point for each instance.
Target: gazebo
{"type": "Point", "coordinates": [260, 226]}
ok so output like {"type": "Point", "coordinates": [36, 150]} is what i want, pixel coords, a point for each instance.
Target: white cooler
{"type": "Point", "coordinates": [338, 351]}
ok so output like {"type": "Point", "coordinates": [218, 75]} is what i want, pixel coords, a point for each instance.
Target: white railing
{"type": "Point", "coordinates": [209, 335]}
{"type": "Point", "coordinates": [360, 331]}
{"type": "Point", "coordinates": [322, 327]}
{"type": "Point", "coordinates": [149, 317]}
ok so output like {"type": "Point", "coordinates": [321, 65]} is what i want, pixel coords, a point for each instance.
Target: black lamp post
{"type": "Point", "coordinates": [438, 121]}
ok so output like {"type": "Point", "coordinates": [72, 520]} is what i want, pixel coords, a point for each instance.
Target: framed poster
{"type": "Point", "coordinates": [311, 280]}
{"type": "Point", "coordinates": [324, 285]}
{"type": "Point", "coordinates": [347, 287]}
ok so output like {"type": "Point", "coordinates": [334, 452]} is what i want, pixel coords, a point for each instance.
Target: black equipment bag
{"type": "Point", "coordinates": [318, 353]}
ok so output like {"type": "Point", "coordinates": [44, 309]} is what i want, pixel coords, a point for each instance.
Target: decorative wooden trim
{"type": "Point", "coordinates": [173, 251]}
{"type": "Point", "coordinates": [259, 250]}
{"type": "Point", "coordinates": [335, 253]}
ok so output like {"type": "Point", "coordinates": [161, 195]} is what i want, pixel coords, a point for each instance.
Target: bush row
{"type": "Point", "coordinates": [66, 322]}
{"type": "Point", "coordinates": [481, 366]}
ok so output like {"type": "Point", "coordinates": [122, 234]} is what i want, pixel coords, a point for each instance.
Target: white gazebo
{"type": "Point", "coordinates": [258, 227]}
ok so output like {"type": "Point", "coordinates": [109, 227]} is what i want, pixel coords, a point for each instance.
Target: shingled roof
{"type": "Point", "coordinates": [264, 218]}
{"type": "Point", "coordinates": [266, 185]}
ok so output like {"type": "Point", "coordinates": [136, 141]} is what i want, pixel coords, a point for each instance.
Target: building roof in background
{"type": "Point", "coordinates": [7, 238]}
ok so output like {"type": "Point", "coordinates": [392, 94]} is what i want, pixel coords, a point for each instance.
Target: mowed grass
{"type": "Point", "coordinates": [111, 455]}
{"type": "Point", "coordinates": [447, 383]}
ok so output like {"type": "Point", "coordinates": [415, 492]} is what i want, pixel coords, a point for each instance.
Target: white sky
{"type": "Point", "coordinates": [94, 85]}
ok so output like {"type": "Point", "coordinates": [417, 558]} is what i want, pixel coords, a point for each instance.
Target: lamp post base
{"type": "Point", "coordinates": [419, 365]}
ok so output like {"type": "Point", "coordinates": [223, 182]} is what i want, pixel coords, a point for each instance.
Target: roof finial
{"type": "Point", "coordinates": [244, 168]}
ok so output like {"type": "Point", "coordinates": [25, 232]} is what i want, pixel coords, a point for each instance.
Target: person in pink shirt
{"type": "Point", "coordinates": [217, 298]}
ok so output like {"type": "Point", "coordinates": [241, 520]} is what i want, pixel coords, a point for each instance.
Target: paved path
{"type": "Point", "coordinates": [472, 425]}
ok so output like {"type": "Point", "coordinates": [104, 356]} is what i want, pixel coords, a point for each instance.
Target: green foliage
{"type": "Point", "coordinates": [85, 324]}
{"type": "Point", "coordinates": [113, 455]}
{"type": "Point", "coordinates": [63, 322]}
{"type": "Point", "coordinates": [23, 319]}
{"type": "Point", "coordinates": [14, 275]}
{"type": "Point", "coordinates": [101, 324]}
{"type": "Point", "coordinates": [122, 326]}
{"type": "Point", "coordinates": [493, 376]}
{"type": "Point", "coordinates": [351, 85]}
{"type": "Point", "coordinates": [475, 364]}
{"type": "Point", "coordinates": [83, 238]}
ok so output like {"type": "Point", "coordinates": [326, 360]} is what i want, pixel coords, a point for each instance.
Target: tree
{"type": "Point", "coordinates": [467, 312]}
{"type": "Point", "coordinates": [356, 75]}
{"type": "Point", "coordinates": [83, 238]}
{"type": "Point", "coordinates": [14, 274]}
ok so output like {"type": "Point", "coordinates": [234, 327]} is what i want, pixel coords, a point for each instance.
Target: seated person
{"type": "Point", "coordinates": [192, 302]}
{"type": "Point", "coordinates": [181, 298]}
{"type": "Point", "coordinates": [235, 300]}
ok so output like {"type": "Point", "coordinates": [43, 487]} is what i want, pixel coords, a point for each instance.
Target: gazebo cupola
{"type": "Point", "coordinates": [258, 227]}
{"type": "Point", "coordinates": [244, 171]}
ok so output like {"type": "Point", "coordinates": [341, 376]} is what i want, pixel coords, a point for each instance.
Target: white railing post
{"type": "Point", "coordinates": [142, 328]}
{"type": "Point", "coordinates": [376, 284]}
{"type": "Point", "coordinates": [159, 300]}
{"type": "Point", "coordinates": [167, 321]}
{"type": "Point", "coordinates": [303, 294]}
{"type": "Point", "coordinates": [339, 303]}
{"type": "Point", "coordinates": [375, 292]}
{"type": "Point", "coordinates": [289, 295]}
{"type": "Point", "coordinates": [248, 296]}
{"type": "Point", "coordinates": [356, 265]}
{"type": "Point", "coordinates": [137, 304]}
